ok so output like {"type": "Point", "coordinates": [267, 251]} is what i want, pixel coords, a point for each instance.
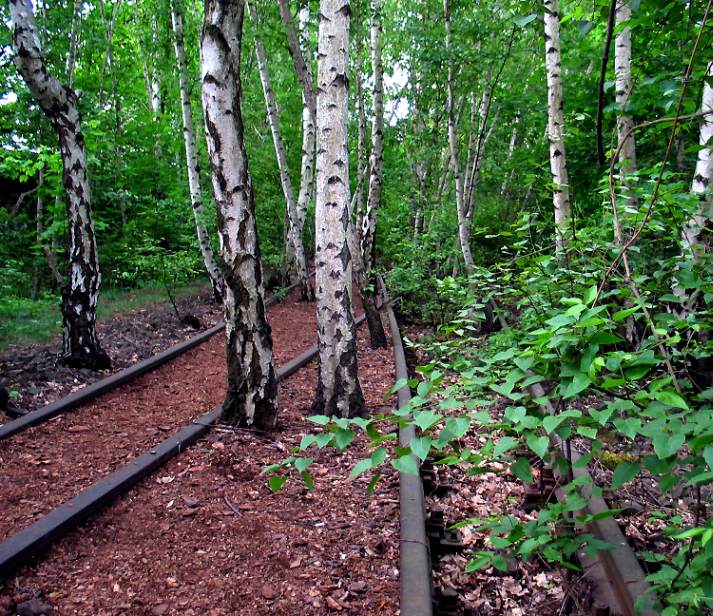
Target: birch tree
{"type": "Point", "coordinates": [192, 164]}
{"type": "Point", "coordinates": [273, 118]}
{"type": "Point", "coordinates": [555, 126]}
{"type": "Point", "coordinates": [700, 186]}
{"type": "Point", "coordinates": [80, 345]}
{"type": "Point", "coordinates": [625, 123]}
{"type": "Point", "coordinates": [338, 388]}
{"type": "Point", "coordinates": [463, 219]}
{"type": "Point", "coordinates": [365, 281]}
{"type": "Point", "coordinates": [251, 398]}
{"type": "Point", "coordinates": [299, 52]}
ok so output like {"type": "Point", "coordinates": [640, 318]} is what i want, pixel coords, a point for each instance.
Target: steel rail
{"type": "Point", "coordinates": [415, 577]}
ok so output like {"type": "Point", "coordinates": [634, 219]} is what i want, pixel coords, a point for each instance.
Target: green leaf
{"type": "Point", "coordinates": [579, 383]}
{"type": "Point", "coordinates": [400, 384]}
{"type": "Point", "coordinates": [458, 426]}
{"type": "Point", "coordinates": [506, 443]}
{"type": "Point", "coordinates": [308, 479]}
{"type": "Point", "coordinates": [378, 456]}
{"type": "Point", "coordinates": [522, 470]}
{"type": "Point", "coordinates": [301, 464]}
{"type": "Point", "coordinates": [406, 464]}
{"type": "Point", "coordinates": [421, 446]}
{"type": "Point", "coordinates": [522, 21]}
{"type": "Point", "coordinates": [666, 445]}
{"type": "Point", "coordinates": [480, 561]}
{"type": "Point", "coordinates": [671, 398]}
{"type": "Point", "coordinates": [624, 472]}
{"type": "Point", "coordinates": [360, 467]}
{"type": "Point", "coordinates": [708, 456]}
{"type": "Point", "coordinates": [343, 438]}
{"type": "Point", "coordinates": [276, 482]}
{"type": "Point", "coordinates": [426, 419]}
{"type": "Point", "coordinates": [538, 444]}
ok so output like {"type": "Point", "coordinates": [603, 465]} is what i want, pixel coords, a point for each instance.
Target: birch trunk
{"type": "Point", "coordinates": [365, 280]}
{"type": "Point", "coordinates": [463, 222]}
{"type": "Point", "coordinates": [555, 126]}
{"type": "Point", "coordinates": [338, 389]}
{"type": "Point", "coordinates": [622, 69]}
{"type": "Point", "coordinates": [298, 52]}
{"type": "Point", "coordinates": [80, 345]}
{"type": "Point", "coordinates": [511, 150]}
{"type": "Point", "coordinates": [192, 164]}
{"type": "Point", "coordinates": [251, 398]}
{"type": "Point", "coordinates": [692, 231]}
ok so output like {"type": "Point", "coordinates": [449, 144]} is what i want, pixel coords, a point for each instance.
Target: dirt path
{"type": "Point", "coordinates": [205, 535]}
{"type": "Point", "coordinates": [46, 465]}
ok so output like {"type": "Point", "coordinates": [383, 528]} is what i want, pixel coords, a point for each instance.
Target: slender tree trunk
{"type": "Point", "coordinates": [692, 239]}
{"type": "Point", "coordinates": [365, 280]}
{"type": "Point", "coordinates": [555, 126]}
{"type": "Point", "coordinates": [80, 346]}
{"type": "Point", "coordinates": [73, 42]}
{"type": "Point", "coordinates": [298, 52]}
{"type": "Point", "coordinates": [273, 116]}
{"type": "Point", "coordinates": [338, 388]}
{"type": "Point", "coordinates": [511, 150]}
{"type": "Point", "coordinates": [251, 398]}
{"type": "Point", "coordinates": [192, 164]}
{"type": "Point", "coordinates": [39, 225]}
{"type": "Point", "coordinates": [622, 69]}
{"type": "Point", "coordinates": [463, 222]}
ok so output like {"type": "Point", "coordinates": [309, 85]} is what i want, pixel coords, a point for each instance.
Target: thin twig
{"type": "Point", "coordinates": [230, 505]}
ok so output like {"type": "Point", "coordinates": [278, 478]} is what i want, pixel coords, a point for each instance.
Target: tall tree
{"type": "Point", "coordinates": [365, 278]}
{"type": "Point", "coordinates": [338, 388]}
{"type": "Point", "coordinates": [273, 118]}
{"type": "Point", "coordinates": [80, 345]}
{"type": "Point", "coordinates": [700, 186]}
{"type": "Point", "coordinates": [298, 47]}
{"type": "Point", "coordinates": [251, 398]}
{"type": "Point", "coordinates": [192, 164]}
{"type": "Point", "coordinates": [555, 125]}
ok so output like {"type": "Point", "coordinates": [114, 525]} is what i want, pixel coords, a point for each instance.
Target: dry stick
{"type": "Point", "coordinates": [602, 77]}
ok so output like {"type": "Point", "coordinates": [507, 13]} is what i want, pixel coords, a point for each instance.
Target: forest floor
{"type": "Point", "coordinates": [33, 374]}
{"type": "Point", "coordinates": [205, 535]}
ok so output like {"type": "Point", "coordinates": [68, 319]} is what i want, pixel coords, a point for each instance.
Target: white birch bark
{"type": "Point", "coordinates": [251, 398]}
{"type": "Point", "coordinates": [192, 164]}
{"type": "Point", "coordinates": [622, 70]}
{"type": "Point", "coordinates": [298, 51]}
{"type": "Point", "coordinates": [692, 230]}
{"type": "Point", "coordinates": [80, 345]}
{"type": "Point", "coordinates": [463, 222]}
{"type": "Point", "coordinates": [338, 389]}
{"type": "Point", "coordinates": [555, 126]}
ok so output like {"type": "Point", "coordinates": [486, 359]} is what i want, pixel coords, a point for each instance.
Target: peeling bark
{"type": "Point", "coordinates": [192, 164]}
{"type": "Point", "coordinates": [251, 398]}
{"type": "Point", "coordinates": [80, 345]}
{"type": "Point", "coordinates": [555, 126]}
{"type": "Point", "coordinates": [338, 388]}
{"type": "Point", "coordinates": [294, 230]}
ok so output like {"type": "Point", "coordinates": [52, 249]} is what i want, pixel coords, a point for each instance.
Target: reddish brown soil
{"type": "Point", "coordinates": [46, 465]}
{"type": "Point", "coordinates": [206, 536]}
{"type": "Point", "coordinates": [35, 374]}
